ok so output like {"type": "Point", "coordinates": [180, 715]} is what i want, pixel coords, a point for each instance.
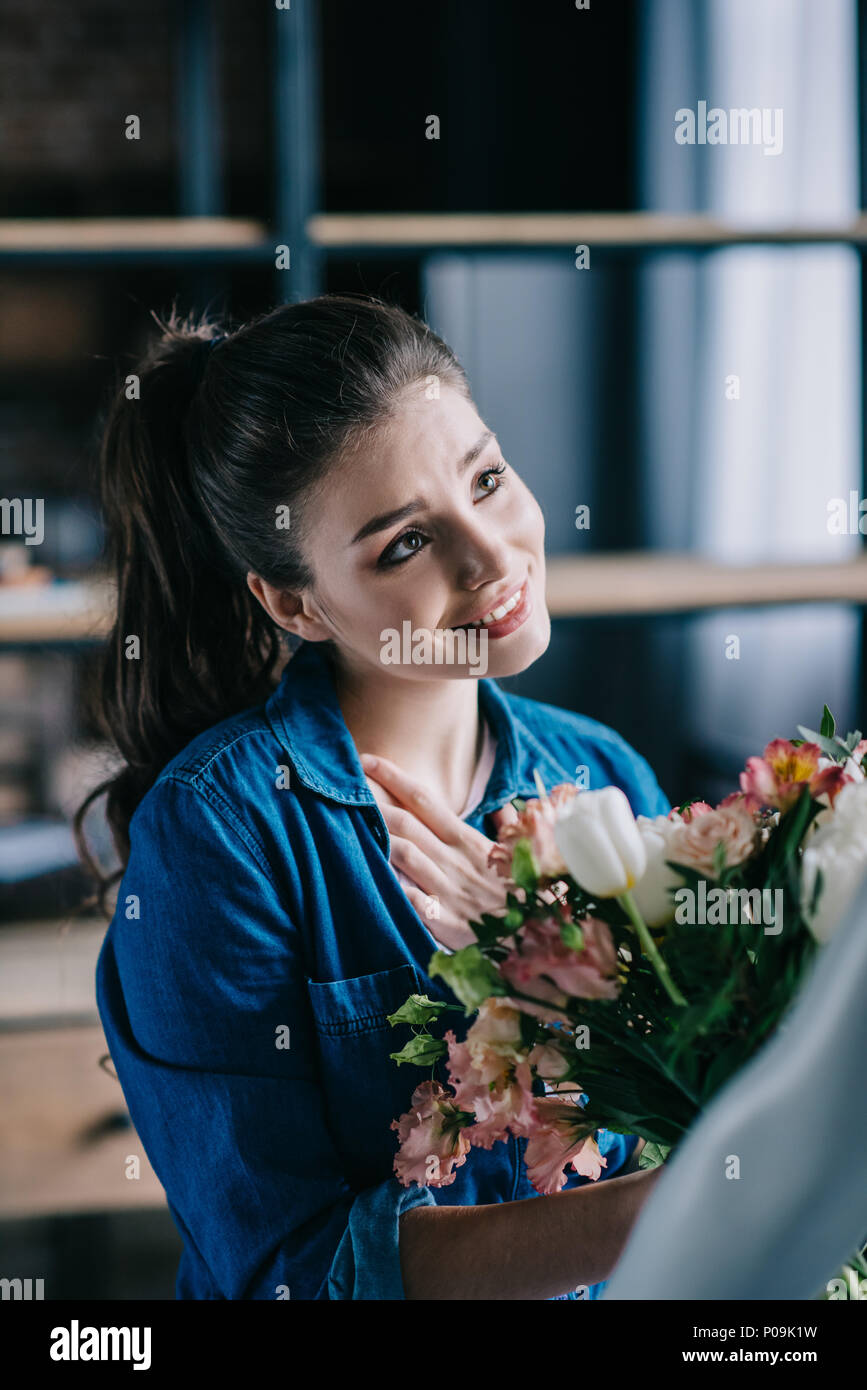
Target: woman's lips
{"type": "Point", "coordinates": [518, 616]}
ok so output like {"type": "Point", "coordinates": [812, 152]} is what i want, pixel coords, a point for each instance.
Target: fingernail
{"type": "Point", "coordinates": [369, 760]}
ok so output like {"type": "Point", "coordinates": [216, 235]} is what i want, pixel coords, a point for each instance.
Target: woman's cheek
{"type": "Point", "coordinates": [529, 518]}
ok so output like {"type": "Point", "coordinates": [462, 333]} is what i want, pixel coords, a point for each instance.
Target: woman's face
{"type": "Point", "coordinates": [425, 528]}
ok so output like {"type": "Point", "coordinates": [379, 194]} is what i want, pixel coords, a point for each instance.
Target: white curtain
{"type": "Point", "coordinates": [749, 479]}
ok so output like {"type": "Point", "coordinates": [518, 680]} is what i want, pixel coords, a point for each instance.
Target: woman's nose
{"type": "Point", "coordinates": [481, 559]}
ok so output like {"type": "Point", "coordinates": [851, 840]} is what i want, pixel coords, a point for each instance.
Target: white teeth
{"type": "Point", "coordinates": [498, 614]}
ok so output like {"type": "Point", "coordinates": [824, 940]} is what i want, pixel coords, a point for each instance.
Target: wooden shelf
{"type": "Point", "coordinates": [624, 230]}
{"type": "Point", "coordinates": [248, 239]}
{"type": "Point", "coordinates": [638, 582]}
{"type": "Point", "coordinates": [133, 236]}
{"type": "Point", "coordinates": [54, 613]}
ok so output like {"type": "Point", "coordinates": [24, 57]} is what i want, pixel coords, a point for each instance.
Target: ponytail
{"type": "Point", "coordinates": [189, 644]}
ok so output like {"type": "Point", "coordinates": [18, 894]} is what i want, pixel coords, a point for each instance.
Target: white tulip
{"type": "Point", "coordinates": [600, 843]}
{"type": "Point", "coordinates": [651, 894]}
{"type": "Point", "coordinates": [839, 849]}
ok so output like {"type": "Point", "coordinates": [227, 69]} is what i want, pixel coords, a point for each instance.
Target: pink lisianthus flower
{"type": "Point", "coordinates": [490, 1074]}
{"type": "Point", "coordinates": [507, 1106]}
{"type": "Point", "coordinates": [778, 778]}
{"type": "Point", "coordinates": [548, 1061]}
{"type": "Point", "coordinates": [433, 1138]}
{"type": "Point", "coordinates": [561, 1139]}
{"type": "Point", "coordinates": [493, 1044]}
{"type": "Point", "coordinates": [536, 825]}
{"type": "Point", "coordinates": [694, 842]}
{"type": "Point", "coordinates": [542, 966]}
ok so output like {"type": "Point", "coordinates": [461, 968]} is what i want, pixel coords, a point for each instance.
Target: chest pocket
{"type": "Point", "coordinates": [363, 1089]}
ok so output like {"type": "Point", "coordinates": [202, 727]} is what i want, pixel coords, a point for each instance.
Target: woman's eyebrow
{"type": "Point", "coordinates": [386, 519]}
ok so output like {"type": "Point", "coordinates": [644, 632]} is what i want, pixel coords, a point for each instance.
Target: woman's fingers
{"type": "Point", "coordinates": [505, 816]}
{"type": "Point", "coordinates": [402, 823]}
{"type": "Point", "coordinates": [412, 794]}
{"type": "Point", "coordinates": [444, 929]}
{"type": "Point", "coordinates": [417, 866]}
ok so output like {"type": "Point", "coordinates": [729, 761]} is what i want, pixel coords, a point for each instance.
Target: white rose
{"type": "Point", "coordinates": [839, 849]}
{"type": "Point", "coordinates": [651, 893]}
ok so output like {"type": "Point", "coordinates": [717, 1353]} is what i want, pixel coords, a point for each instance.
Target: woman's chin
{"type": "Point", "coordinates": [509, 658]}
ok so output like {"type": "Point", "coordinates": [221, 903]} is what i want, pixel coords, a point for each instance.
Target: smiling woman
{"type": "Point", "coordinates": [283, 845]}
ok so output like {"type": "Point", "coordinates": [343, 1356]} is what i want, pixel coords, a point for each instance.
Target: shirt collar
{"type": "Point", "coordinates": [306, 716]}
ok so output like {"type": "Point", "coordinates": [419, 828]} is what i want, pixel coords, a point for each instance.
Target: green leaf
{"type": "Point", "coordinates": [418, 1009]}
{"type": "Point", "coordinates": [652, 1155]}
{"type": "Point", "coordinates": [816, 893]}
{"type": "Point", "coordinates": [572, 936]}
{"type": "Point", "coordinates": [469, 974]}
{"type": "Point", "coordinates": [524, 870]}
{"type": "Point", "coordinates": [826, 728]}
{"type": "Point", "coordinates": [829, 746]}
{"type": "Point", "coordinates": [421, 1051]}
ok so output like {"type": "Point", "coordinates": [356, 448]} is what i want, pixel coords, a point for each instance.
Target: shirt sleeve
{"type": "Point", "coordinates": [202, 994]}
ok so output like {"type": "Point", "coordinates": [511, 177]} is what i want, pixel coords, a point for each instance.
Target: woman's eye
{"type": "Point", "coordinates": [392, 554]}
{"type": "Point", "coordinates": [494, 472]}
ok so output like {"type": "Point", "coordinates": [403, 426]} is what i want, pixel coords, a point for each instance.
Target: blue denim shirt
{"type": "Point", "coordinates": [259, 941]}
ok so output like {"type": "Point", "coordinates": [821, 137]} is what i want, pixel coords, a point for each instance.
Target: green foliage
{"type": "Point", "coordinates": [422, 1050]}
{"type": "Point", "coordinates": [524, 870]}
{"type": "Point", "coordinates": [470, 975]}
{"type": "Point", "coordinates": [418, 1009]}
{"type": "Point", "coordinates": [830, 742]}
{"type": "Point", "coordinates": [572, 936]}
{"type": "Point", "coordinates": [652, 1155]}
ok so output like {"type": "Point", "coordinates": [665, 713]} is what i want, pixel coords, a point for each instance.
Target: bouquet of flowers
{"type": "Point", "coordinates": [640, 962]}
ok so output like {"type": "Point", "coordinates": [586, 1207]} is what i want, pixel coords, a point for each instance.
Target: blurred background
{"type": "Point", "coordinates": [667, 338]}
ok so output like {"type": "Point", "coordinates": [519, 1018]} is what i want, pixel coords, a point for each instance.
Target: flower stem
{"type": "Point", "coordinates": [649, 947]}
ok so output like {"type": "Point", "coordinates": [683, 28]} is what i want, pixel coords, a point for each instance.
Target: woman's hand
{"type": "Point", "coordinates": [442, 856]}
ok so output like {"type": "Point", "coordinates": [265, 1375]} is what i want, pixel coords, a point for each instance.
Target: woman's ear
{"type": "Point", "coordinates": [289, 610]}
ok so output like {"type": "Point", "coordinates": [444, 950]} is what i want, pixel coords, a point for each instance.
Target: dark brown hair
{"type": "Point", "coordinates": [227, 429]}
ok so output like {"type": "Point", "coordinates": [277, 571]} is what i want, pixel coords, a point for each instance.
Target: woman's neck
{"type": "Point", "coordinates": [430, 729]}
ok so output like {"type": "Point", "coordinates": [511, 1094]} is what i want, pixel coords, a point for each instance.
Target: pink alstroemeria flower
{"type": "Point", "coordinates": [535, 824]}
{"type": "Point", "coordinates": [778, 778]}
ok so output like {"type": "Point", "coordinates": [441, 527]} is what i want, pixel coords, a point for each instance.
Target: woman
{"type": "Point", "coordinates": [323, 472]}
